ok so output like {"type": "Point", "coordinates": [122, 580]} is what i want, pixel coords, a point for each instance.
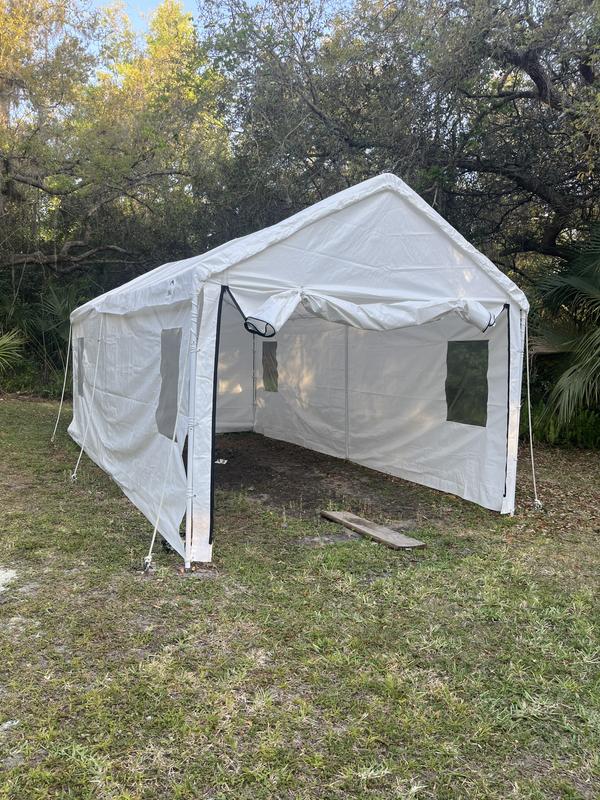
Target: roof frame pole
{"type": "Point", "coordinates": [517, 318]}
{"type": "Point", "coordinates": [193, 346]}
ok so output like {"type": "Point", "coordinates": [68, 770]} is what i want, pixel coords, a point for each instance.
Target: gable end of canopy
{"type": "Point", "coordinates": [177, 282]}
{"type": "Point", "coordinates": [230, 256]}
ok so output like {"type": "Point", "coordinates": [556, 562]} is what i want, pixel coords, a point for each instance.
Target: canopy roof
{"type": "Point", "coordinates": [177, 281]}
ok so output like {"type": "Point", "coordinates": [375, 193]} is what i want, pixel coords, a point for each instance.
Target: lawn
{"type": "Point", "coordinates": [298, 667]}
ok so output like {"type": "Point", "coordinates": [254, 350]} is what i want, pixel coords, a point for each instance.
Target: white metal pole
{"type": "Point", "coordinates": [191, 428]}
{"type": "Point", "coordinates": [346, 410]}
{"type": "Point", "coordinates": [205, 400]}
{"type": "Point", "coordinates": [253, 382]}
{"type": "Point", "coordinates": [516, 334]}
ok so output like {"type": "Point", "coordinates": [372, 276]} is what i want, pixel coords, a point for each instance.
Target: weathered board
{"type": "Point", "coordinates": [371, 529]}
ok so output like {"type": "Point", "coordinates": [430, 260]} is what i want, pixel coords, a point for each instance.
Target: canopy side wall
{"type": "Point", "coordinates": [378, 398]}
{"type": "Point", "coordinates": [117, 411]}
{"type": "Point", "coordinates": [399, 415]}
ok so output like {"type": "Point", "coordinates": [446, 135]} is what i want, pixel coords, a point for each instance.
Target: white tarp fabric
{"type": "Point", "coordinates": [340, 388]}
{"type": "Point", "coordinates": [123, 435]}
{"type": "Point", "coordinates": [278, 308]}
{"type": "Point", "coordinates": [364, 297]}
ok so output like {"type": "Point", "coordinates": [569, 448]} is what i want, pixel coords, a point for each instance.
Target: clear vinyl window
{"type": "Point", "coordinates": [166, 412]}
{"type": "Point", "coordinates": [269, 367]}
{"type": "Point", "coordinates": [80, 367]}
{"type": "Point", "coordinates": [466, 382]}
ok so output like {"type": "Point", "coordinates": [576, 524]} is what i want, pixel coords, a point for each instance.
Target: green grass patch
{"type": "Point", "coordinates": [467, 670]}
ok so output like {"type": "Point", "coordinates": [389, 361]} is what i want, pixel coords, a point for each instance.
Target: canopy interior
{"type": "Point", "coordinates": [378, 398]}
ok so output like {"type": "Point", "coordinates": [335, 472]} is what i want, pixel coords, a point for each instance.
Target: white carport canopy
{"type": "Point", "coordinates": [365, 327]}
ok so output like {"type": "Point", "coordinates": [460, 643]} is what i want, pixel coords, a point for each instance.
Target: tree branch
{"type": "Point", "coordinates": [529, 61]}
{"type": "Point", "coordinates": [65, 261]}
{"type": "Point", "coordinates": [38, 183]}
{"type": "Point", "coordinates": [525, 180]}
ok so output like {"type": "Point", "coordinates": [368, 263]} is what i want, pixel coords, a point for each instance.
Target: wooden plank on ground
{"type": "Point", "coordinates": [371, 529]}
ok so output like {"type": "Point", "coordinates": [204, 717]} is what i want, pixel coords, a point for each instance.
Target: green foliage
{"type": "Point", "coordinates": [571, 320]}
{"type": "Point", "coordinates": [582, 429]}
{"type": "Point", "coordinates": [576, 284]}
{"type": "Point", "coordinates": [106, 176]}
{"type": "Point", "coordinates": [485, 109]}
{"type": "Point", "coordinates": [11, 349]}
{"type": "Point", "coordinates": [108, 146]}
{"type": "Point", "coordinates": [40, 322]}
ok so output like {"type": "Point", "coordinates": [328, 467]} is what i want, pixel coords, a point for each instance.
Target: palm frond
{"type": "Point", "coordinates": [578, 291]}
{"type": "Point", "coordinates": [579, 385]}
{"type": "Point", "coordinates": [56, 304]}
{"type": "Point", "coordinates": [572, 296]}
{"type": "Point", "coordinates": [11, 349]}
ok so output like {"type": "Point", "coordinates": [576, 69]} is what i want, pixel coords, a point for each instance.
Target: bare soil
{"type": "Point", "coordinates": [303, 482]}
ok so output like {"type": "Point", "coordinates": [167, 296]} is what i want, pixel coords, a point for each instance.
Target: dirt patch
{"type": "Point", "coordinates": [303, 482]}
{"type": "Point", "coordinates": [334, 538]}
{"type": "Point", "coordinates": [6, 576]}
{"type": "Point", "coordinates": [198, 573]}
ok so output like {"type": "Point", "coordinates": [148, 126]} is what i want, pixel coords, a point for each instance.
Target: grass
{"type": "Point", "coordinates": [467, 670]}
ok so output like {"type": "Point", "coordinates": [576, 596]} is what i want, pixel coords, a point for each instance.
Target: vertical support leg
{"type": "Point", "coordinates": [346, 409]}
{"type": "Point", "coordinates": [203, 440]}
{"type": "Point", "coordinates": [516, 323]}
{"type": "Point", "coordinates": [254, 377]}
{"type": "Point", "coordinates": [193, 346]}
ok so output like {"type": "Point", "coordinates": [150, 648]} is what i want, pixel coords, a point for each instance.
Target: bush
{"type": "Point", "coordinates": [29, 378]}
{"type": "Point", "coordinates": [582, 430]}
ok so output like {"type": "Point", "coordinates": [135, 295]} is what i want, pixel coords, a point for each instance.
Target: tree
{"type": "Point", "coordinates": [43, 62]}
{"type": "Point", "coordinates": [106, 159]}
{"type": "Point", "coordinates": [487, 109]}
{"type": "Point", "coordinates": [109, 147]}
